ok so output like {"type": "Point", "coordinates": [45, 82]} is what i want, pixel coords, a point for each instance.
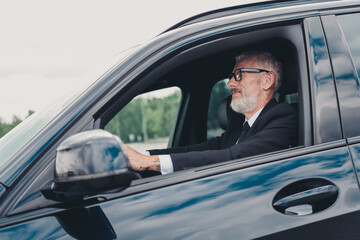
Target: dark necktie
{"type": "Point", "coordinates": [244, 130]}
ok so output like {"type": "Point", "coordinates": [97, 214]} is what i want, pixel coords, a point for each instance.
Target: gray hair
{"type": "Point", "coordinates": [267, 61]}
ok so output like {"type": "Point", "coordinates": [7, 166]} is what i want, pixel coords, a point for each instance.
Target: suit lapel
{"type": "Point", "coordinates": [253, 130]}
{"type": "Point", "coordinates": [267, 107]}
{"type": "Point", "coordinates": [236, 124]}
{"type": "Point", "coordinates": [233, 130]}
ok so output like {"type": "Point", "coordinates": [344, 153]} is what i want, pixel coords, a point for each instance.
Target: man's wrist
{"type": "Point", "coordinates": [154, 163]}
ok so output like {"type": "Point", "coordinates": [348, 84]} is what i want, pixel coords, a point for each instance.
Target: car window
{"type": "Point", "coordinates": [218, 93]}
{"type": "Point", "coordinates": [148, 120]}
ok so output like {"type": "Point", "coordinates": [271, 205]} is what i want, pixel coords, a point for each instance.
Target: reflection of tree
{"type": "Point", "coordinates": [6, 127]}
{"type": "Point", "coordinates": [156, 115]}
{"type": "Point", "coordinates": [328, 124]}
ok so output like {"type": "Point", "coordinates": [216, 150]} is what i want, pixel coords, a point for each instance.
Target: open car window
{"type": "Point", "coordinates": [201, 73]}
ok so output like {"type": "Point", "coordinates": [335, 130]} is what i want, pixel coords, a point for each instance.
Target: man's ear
{"type": "Point", "coordinates": [268, 81]}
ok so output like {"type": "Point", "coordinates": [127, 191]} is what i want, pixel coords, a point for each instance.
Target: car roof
{"type": "Point", "coordinates": [251, 7]}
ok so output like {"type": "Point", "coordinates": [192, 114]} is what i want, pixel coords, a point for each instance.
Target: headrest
{"type": "Point", "coordinates": [290, 76]}
{"type": "Point", "coordinates": [222, 112]}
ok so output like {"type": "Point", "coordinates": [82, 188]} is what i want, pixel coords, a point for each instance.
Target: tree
{"type": "Point", "coordinates": [158, 113]}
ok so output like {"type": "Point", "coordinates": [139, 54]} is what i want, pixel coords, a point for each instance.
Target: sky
{"type": "Point", "coordinates": [48, 48]}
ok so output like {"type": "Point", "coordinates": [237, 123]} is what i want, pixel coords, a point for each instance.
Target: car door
{"type": "Point", "coordinates": [276, 195]}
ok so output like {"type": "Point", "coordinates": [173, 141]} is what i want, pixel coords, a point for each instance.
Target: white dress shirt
{"type": "Point", "coordinates": [166, 164]}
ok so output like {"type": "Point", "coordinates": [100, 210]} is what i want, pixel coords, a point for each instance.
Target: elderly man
{"type": "Point", "coordinates": [258, 124]}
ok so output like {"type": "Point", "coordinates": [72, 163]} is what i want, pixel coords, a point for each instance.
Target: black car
{"type": "Point", "coordinates": [310, 191]}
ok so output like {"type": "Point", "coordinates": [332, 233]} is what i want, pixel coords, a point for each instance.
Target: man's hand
{"type": "Point", "coordinates": [140, 162]}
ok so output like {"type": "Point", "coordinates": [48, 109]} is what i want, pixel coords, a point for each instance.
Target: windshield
{"type": "Point", "coordinates": [13, 141]}
{"type": "Point", "coordinates": [21, 134]}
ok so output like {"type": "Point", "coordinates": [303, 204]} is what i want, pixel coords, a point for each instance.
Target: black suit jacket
{"type": "Point", "coordinates": [275, 128]}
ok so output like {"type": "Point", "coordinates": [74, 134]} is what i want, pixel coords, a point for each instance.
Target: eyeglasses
{"type": "Point", "coordinates": [237, 73]}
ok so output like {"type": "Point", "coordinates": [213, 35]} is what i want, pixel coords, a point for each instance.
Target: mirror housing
{"type": "Point", "coordinates": [89, 163]}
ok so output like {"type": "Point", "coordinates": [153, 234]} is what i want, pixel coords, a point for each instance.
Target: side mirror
{"type": "Point", "coordinates": [89, 163]}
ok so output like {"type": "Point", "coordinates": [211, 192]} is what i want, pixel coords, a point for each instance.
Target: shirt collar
{"type": "Point", "coordinates": [253, 118]}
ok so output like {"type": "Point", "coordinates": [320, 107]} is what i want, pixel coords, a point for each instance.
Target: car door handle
{"type": "Point", "coordinates": [305, 197]}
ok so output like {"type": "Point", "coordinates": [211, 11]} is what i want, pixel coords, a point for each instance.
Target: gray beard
{"type": "Point", "coordinates": [247, 103]}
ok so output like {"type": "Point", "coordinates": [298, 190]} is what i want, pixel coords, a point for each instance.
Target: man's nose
{"type": "Point", "coordinates": [232, 83]}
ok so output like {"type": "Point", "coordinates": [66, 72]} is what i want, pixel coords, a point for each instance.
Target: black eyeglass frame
{"type": "Point", "coordinates": [238, 77]}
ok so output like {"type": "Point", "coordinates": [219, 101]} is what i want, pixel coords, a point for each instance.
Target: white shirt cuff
{"type": "Point", "coordinates": [166, 165]}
